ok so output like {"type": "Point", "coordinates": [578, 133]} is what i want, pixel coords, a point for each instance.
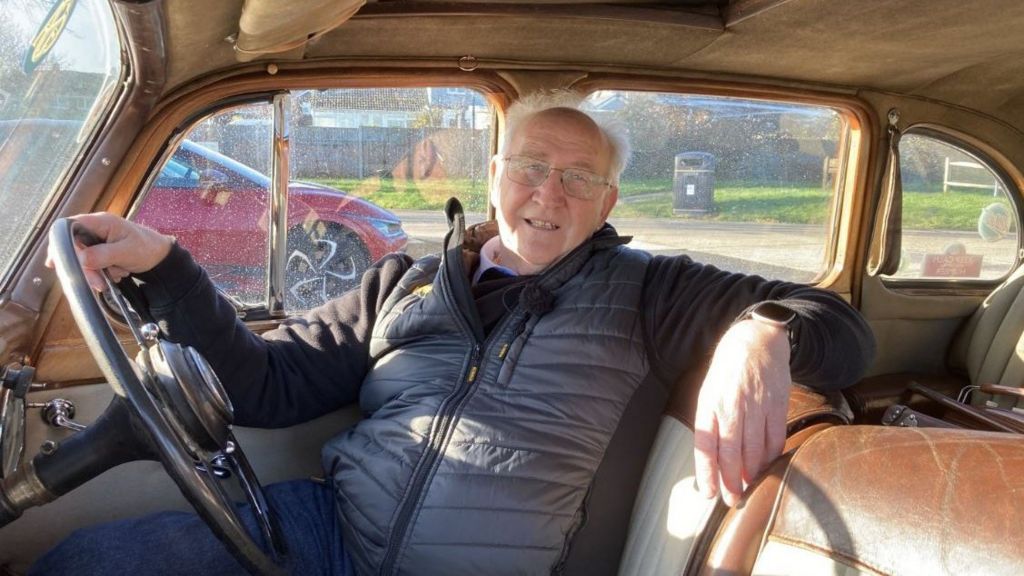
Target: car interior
{"type": "Point", "coordinates": [871, 148]}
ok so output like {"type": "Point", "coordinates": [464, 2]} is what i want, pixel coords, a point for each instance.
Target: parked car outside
{"type": "Point", "coordinates": [218, 208]}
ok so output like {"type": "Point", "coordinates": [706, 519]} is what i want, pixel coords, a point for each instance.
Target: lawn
{"type": "Point", "coordinates": [401, 194]}
{"type": "Point", "coordinates": [734, 202]}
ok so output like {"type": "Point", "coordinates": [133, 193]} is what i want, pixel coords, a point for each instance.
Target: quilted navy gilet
{"type": "Point", "coordinates": [478, 453]}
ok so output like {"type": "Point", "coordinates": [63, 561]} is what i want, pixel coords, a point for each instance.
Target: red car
{"type": "Point", "coordinates": [217, 209]}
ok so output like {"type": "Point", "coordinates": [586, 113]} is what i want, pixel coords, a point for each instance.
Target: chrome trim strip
{"type": "Point", "coordinates": [278, 225]}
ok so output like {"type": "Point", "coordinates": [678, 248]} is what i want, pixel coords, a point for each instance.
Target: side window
{"type": "Point", "coordinates": [179, 173]}
{"type": "Point", "coordinates": [746, 185]}
{"type": "Point", "coordinates": [213, 195]}
{"type": "Point", "coordinates": [958, 220]}
{"type": "Point", "coordinates": [371, 172]}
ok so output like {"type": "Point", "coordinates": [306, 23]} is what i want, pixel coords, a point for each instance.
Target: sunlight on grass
{"type": "Point", "coordinates": [400, 194]}
{"type": "Point", "coordinates": [791, 205]}
{"type": "Point", "coordinates": [734, 202]}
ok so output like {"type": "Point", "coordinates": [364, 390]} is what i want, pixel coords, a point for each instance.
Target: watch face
{"type": "Point", "coordinates": [773, 313]}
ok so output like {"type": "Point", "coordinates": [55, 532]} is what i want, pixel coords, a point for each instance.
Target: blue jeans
{"type": "Point", "coordinates": [180, 543]}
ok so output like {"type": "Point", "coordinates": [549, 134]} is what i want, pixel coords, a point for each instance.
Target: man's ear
{"type": "Point", "coordinates": [610, 199]}
{"type": "Point", "coordinates": [492, 182]}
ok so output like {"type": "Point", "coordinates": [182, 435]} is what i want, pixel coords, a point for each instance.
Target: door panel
{"type": "Point", "coordinates": [142, 487]}
{"type": "Point", "coordinates": [913, 333]}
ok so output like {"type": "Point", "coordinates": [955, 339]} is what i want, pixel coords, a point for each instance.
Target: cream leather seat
{"type": "Point", "coordinates": [991, 346]}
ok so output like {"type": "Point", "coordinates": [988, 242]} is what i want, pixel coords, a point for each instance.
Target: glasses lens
{"type": "Point", "coordinates": [576, 182]}
{"type": "Point", "coordinates": [580, 184]}
{"type": "Point", "coordinates": [526, 170]}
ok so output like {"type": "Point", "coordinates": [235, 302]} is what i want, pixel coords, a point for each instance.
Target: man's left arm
{"type": "Point", "coordinates": [692, 309]}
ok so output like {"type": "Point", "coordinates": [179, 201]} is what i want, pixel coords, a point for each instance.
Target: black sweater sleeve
{"type": "Point", "coordinates": [689, 306]}
{"type": "Point", "coordinates": [306, 367]}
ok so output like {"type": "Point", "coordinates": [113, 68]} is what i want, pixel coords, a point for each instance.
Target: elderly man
{"type": "Point", "coordinates": [493, 376]}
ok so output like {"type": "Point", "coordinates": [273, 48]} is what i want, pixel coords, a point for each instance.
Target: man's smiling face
{"type": "Point", "coordinates": [540, 224]}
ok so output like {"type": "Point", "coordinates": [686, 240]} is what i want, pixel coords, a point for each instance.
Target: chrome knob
{"type": "Point", "coordinates": [150, 332]}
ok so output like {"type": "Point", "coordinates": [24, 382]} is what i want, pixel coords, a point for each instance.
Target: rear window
{"type": "Point", "coordinates": [958, 219]}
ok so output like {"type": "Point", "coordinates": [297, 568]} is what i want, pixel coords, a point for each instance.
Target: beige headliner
{"type": "Point", "coordinates": [968, 54]}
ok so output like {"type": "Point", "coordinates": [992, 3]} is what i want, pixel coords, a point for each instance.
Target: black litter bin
{"type": "Point", "coordinates": [693, 185]}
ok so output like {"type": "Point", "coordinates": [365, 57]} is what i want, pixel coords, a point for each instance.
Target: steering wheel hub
{"type": "Point", "coordinates": [200, 409]}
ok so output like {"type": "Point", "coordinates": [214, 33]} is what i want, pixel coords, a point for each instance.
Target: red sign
{"type": "Point", "coordinates": [952, 265]}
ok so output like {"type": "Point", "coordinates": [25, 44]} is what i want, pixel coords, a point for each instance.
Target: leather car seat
{"type": "Point", "coordinates": [991, 343]}
{"type": "Point", "coordinates": [672, 524]}
{"type": "Point", "coordinates": [871, 500]}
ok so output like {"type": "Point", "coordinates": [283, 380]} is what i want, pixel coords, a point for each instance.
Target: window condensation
{"type": "Point", "coordinates": [213, 195]}
{"type": "Point", "coordinates": [55, 83]}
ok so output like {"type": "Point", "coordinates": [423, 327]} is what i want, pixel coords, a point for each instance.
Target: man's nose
{"type": "Point", "coordinates": [551, 190]}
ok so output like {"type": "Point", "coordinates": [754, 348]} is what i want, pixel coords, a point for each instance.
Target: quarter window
{"type": "Point", "coordinates": [957, 218]}
{"type": "Point", "coordinates": [747, 185]}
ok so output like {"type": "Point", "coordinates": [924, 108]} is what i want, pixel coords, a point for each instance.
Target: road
{"type": "Point", "coordinates": [790, 251]}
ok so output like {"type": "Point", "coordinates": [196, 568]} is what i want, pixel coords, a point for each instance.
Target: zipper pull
{"type": "Point", "coordinates": [475, 364]}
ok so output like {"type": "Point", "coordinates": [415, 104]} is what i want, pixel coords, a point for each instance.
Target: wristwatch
{"type": "Point", "coordinates": [775, 314]}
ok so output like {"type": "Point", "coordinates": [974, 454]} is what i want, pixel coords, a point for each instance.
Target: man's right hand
{"type": "Point", "coordinates": [127, 248]}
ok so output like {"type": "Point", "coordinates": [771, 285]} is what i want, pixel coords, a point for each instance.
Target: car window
{"type": "Point", "coordinates": [59, 67]}
{"type": "Point", "coordinates": [369, 173]}
{"type": "Point", "coordinates": [212, 194]}
{"type": "Point", "coordinates": [957, 218]}
{"type": "Point", "coordinates": [371, 170]}
{"type": "Point", "coordinates": [747, 185]}
{"type": "Point", "coordinates": [178, 172]}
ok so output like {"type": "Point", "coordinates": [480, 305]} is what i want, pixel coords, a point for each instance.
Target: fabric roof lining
{"type": "Point", "coordinates": [941, 49]}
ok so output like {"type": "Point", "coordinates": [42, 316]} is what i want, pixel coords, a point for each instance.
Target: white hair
{"type": "Point", "coordinates": [614, 131]}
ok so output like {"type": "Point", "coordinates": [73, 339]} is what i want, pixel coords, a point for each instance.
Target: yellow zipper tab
{"type": "Point", "coordinates": [503, 352]}
{"type": "Point", "coordinates": [472, 374]}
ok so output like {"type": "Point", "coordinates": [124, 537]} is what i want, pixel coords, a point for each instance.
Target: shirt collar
{"type": "Point", "coordinates": [488, 253]}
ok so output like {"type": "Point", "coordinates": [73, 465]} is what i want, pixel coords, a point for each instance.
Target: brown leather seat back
{"type": "Point", "coordinates": [876, 500]}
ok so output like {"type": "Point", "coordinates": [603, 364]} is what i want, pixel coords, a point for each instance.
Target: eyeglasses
{"type": "Point", "coordinates": [576, 182]}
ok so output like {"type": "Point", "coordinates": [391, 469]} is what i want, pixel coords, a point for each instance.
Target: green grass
{"type": "Point", "coordinates": [953, 210]}
{"type": "Point", "coordinates": [734, 202]}
{"type": "Point", "coordinates": [400, 194]}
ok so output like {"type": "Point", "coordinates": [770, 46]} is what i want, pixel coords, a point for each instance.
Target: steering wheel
{"type": "Point", "coordinates": [170, 401]}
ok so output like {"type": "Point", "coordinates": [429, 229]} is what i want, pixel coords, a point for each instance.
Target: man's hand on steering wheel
{"type": "Point", "coordinates": [125, 248]}
{"type": "Point", "coordinates": [168, 404]}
